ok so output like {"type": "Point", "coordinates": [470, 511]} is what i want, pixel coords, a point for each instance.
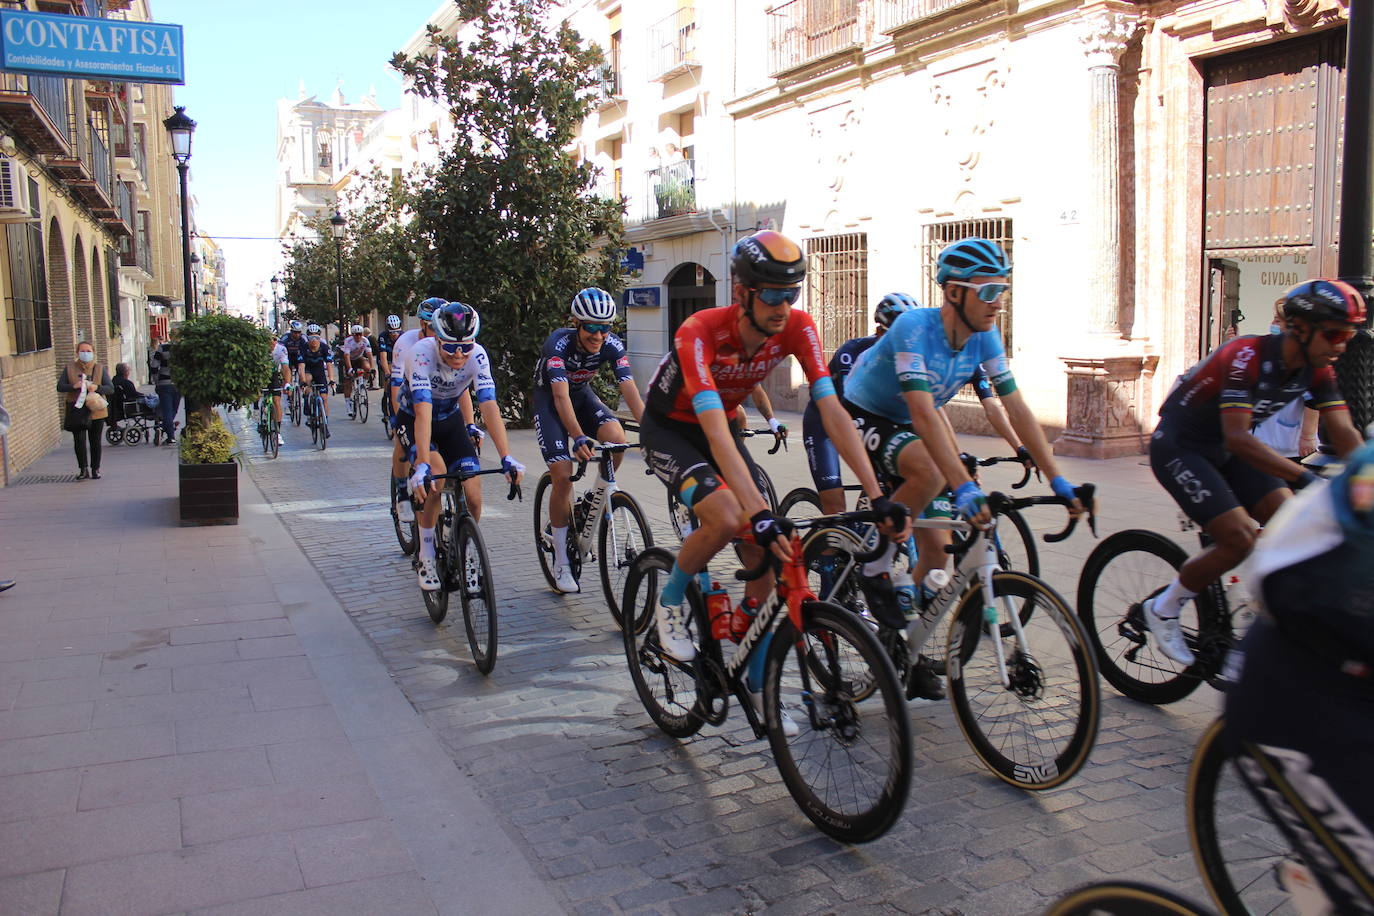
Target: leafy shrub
{"type": "Point", "coordinates": [206, 443]}
{"type": "Point", "coordinates": [221, 360]}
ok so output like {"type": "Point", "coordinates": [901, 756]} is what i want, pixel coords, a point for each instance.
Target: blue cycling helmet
{"type": "Point", "coordinates": [1352, 493]}
{"type": "Point", "coordinates": [892, 305]}
{"type": "Point", "coordinates": [971, 257]}
{"type": "Point", "coordinates": [427, 308]}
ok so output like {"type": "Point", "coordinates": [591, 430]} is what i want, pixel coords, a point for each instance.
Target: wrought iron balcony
{"type": "Point", "coordinates": [608, 93]}
{"type": "Point", "coordinates": [673, 45]}
{"type": "Point", "coordinates": [37, 109]}
{"type": "Point", "coordinates": [897, 14]}
{"type": "Point", "coordinates": [121, 223]}
{"type": "Point", "coordinates": [801, 32]}
{"type": "Point", "coordinates": [672, 190]}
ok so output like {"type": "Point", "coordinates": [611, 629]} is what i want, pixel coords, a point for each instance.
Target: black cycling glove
{"type": "Point", "coordinates": [889, 511]}
{"type": "Point", "coordinates": [766, 528]}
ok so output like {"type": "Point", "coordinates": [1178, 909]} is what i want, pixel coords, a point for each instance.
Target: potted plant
{"type": "Point", "coordinates": [217, 361]}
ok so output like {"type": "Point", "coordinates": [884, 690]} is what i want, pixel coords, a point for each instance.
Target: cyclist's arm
{"type": "Point", "coordinates": [1239, 441]}
{"type": "Point", "coordinates": [424, 426]}
{"type": "Point", "coordinates": [996, 413]}
{"type": "Point", "coordinates": [1341, 431]}
{"type": "Point", "coordinates": [1307, 435]}
{"type": "Point", "coordinates": [762, 402]}
{"type": "Point", "coordinates": [944, 451]}
{"type": "Point", "coordinates": [1032, 436]}
{"type": "Point", "coordinates": [496, 427]}
{"type": "Point", "coordinates": [465, 406]}
{"type": "Point", "coordinates": [630, 393]}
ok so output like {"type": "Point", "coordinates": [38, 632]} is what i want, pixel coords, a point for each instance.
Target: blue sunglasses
{"type": "Point", "coordinates": [987, 292]}
{"type": "Point", "coordinates": [591, 328]}
{"type": "Point", "coordinates": [776, 297]}
{"type": "Point", "coordinates": [457, 347]}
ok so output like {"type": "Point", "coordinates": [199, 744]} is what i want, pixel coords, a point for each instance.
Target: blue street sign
{"type": "Point", "coordinates": [632, 260]}
{"type": "Point", "coordinates": [84, 46]}
{"type": "Point", "coordinates": [642, 297]}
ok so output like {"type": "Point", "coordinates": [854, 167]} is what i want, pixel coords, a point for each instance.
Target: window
{"type": "Point", "coordinates": [837, 287]}
{"type": "Point", "coordinates": [28, 308]}
{"type": "Point", "coordinates": [941, 234]}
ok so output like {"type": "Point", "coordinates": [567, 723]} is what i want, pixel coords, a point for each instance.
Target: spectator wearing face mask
{"type": "Point", "coordinates": [168, 397]}
{"type": "Point", "coordinates": [82, 377]}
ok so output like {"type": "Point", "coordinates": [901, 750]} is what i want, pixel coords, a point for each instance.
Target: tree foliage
{"type": "Point", "coordinates": [221, 360]}
{"type": "Point", "coordinates": [378, 252]}
{"type": "Point", "coordinates": [506, 220]}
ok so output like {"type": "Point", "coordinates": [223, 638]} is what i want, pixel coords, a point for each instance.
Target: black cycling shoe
{"type": "Point", "coordinates": [936, 665]}
{"type": "Point", "coordinates": [882, 600]}
{"type": "Point", "coordinates": [923, 682]}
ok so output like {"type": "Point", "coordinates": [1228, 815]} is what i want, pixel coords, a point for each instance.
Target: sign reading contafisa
{"type": "Point", "coordinates": [81, 46]}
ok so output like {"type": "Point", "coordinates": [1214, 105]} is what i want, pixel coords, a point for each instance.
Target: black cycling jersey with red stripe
{"type": "Point", "coordinates": [1246, 373]}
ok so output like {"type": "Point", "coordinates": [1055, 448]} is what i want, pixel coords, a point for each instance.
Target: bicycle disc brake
{"type": "Point", "coordinates": [713, 692]}
{"type": "Point", "coordinates": [1025, 678]}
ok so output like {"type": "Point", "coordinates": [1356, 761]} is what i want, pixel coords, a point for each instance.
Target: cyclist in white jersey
{"type": "Point", "coordinates": [400, 458]}
{"type": "Point", "coordinates": [439, 370]}
{"type": "Point", "coordinates": [357, 354]}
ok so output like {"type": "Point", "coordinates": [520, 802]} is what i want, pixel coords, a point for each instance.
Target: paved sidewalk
{"type": "Point", "coordinates": [189, 722]}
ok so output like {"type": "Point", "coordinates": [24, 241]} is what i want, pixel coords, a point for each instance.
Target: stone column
{"type": "Point", "coordinates": [1104, 33]}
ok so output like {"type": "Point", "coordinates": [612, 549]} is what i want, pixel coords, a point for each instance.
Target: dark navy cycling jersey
{"type": "Point", "coordinates": [293, 347]}
{"type": "Point", "coordinates": [313, 360]}
{"type": "Point", "coordinates": [564, 361]}
{"type": "Point", "coordinates": [1246, 373]}
{"type": "Point", "coordinates": [387, 340]}
{"type": "Point", "coordinates": [846, 355]}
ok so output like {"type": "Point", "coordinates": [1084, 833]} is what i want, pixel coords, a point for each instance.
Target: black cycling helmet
{"type": "Point", "coordinates": [768, 257]}
{"type": "Point", "coordinates": [1325, 300]}
{"type": "Point", "coordinates": [892, 305]}
{"type": "Point", "coordinates": [456, 322]}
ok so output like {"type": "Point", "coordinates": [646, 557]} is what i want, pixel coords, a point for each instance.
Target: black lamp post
{"type": "Point", "coordinates": [193, 300]}
{"type": "Point", "coordinates": [1355, 370]}
{"type": "Point", "coordinates": [336, 228]}
{"type": "Point", "coordinates": [181, 128]}
{"type": "Point", "coordinates": [276, 286]}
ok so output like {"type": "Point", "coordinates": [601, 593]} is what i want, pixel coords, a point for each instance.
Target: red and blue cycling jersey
{"type": "Point", "coordinates": [1243, 374]}
{"type": "Point", "coordinates": [707, 368]}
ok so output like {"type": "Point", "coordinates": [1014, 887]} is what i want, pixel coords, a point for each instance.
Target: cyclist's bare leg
{"type": "Point", "coordinates": [560, 499]}
{"type": "Point", "coordinates": [472, 489]}
{"type": "Point", "coordinates": [832, 500]}
{"type": "Point", "coordinates": [400, 467]}
{"type": "Point", "coordinates": [921, 482]}
{"type": "Point", "coordinates": [612, 431]}
{"type": "Point", "coordinates": [276, 408]}
{"type": "Point", "coordinates": [1233, 537]}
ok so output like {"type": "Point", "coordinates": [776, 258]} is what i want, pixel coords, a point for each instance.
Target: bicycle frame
{"type": "Point", "coordinates": [599, 494]}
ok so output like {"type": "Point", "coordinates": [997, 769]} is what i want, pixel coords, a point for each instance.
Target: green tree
{"type": "Point", "coordinates": [378, 251]}
{"type": "Point", "coordinates": [506, 219]}
{"type": "Point", "coordinates": [221, 360]}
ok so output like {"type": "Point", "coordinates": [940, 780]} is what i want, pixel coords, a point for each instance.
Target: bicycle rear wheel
{"type": "Point", "coordinates": [472, 573]}
{"type": "Point", "coordinates": [622, 535]}
{"type": "Point", "coordinates": [1119, 574]}
{"type": "Point", "coordinates": [666, 687]}
{"type": "Point", "coordinates": [323, 419]}
{"type": "Point", "coordinates": [386, 415]}
{"type": "Point", "coordinates": [1035, 730]}
{"type": "Point", "coordinates": [362, 405]}
{"type": "Point", "coordinates": [849, 767]}
{"type": "Point", "coordinates": [436, 602]}
{"type": "Point", "coordinates": [1124, 898]}
{"type": "Point", "coordinates": [803, 502]}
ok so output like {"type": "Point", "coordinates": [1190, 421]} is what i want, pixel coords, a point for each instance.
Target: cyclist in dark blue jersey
{"type": "Point", "coordinates": [1205, 454]}
{"type": "Point", "coordinates": [312, 363]}
{"type": "Point", "coordinates": [566, 407]}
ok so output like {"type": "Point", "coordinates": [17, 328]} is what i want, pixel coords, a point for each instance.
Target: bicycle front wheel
{"type": "Point", "coordinates": [1016, 543]}
{"type": "Point", "coordinates": [622, 535]}
{"type": "Point", "coordinates": [324, 425]}
{"type": "Point", "coordinates": [436, 602]}
{"type": "Point", "coordinates": [274, 438]}
{"type": "Point", "coordinates": [405, 531]}
{"type": "Point", "coordinates": [362, 406]}
{"type": "Point", "coordinates": [1035, 726]}
{"type": "Point", "coordinates": [849, 766]}
{"type": "Point", "coordinates": [1123, 898]}
{"type": "Point", "coordinates": [803, 502]}
{"type": "Point", "coordinates": [1119, 575]}
{"type": "Point", "coordinates": [666, 687]}
{"type": "Point", "coordinates": [472, 570]}
{"type": "Point", "coordinates": [543, 534]}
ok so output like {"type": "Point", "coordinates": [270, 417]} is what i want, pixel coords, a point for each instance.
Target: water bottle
{"type": "Point", "coordinates": [934, 582]}
{"type": "Point", "coordinates": [718, 611]}
{"type": "Point", "coordinates": [905, 587]}
{"type": "Point", "coordinates": [743, 618]}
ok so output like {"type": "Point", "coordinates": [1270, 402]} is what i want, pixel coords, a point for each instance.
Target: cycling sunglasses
{"type": "Point", "coordinates": [987, 292]}
{"type": "Point", "coordinates": [775, 297]}
{"type": "Point", "coordinates": [595, 328]}
{"type": "Point", "coordinates": [452, 348]}
{"type": "Point", "coordinates": [1337, 335]}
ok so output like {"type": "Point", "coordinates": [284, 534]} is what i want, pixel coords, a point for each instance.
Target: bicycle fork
{"type": "Point", "coordinates": [987, 566]}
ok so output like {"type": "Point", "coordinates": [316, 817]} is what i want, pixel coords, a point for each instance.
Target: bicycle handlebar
{"type": "Point", "coordinates": [972, 463]}
{"type": "Point", "coordinates": [789, 525]}
{"type": "Point", "coordinates": [607, 449]}
{"type": "Point", "coordinates": [779, 440]}
{"type": "Point", "coordinates": [460, 475]}
{"type": "Point", "coordinates": [1000, 502]}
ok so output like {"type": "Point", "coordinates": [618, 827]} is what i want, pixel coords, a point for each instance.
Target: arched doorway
{"type": "Point", "coordinates": [60, 315]}
{"type": "Point", "coordinates": [691, 288]}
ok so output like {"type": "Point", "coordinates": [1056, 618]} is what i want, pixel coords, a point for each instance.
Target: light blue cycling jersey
{"type": "Point", "coordinates": [914, 355]}
{"type": "Point", "coordinates": [428, 380]}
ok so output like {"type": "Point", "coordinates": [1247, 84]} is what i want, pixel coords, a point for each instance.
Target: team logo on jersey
{"type": "Point", "coordinates": [555, 362]}
{"type": "Point", "coordinates": [1362, 489]}
{"type": "Point", "coordinates": [623, 362]}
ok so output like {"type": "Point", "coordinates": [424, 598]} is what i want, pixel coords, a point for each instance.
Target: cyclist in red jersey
{"type": "Point", "coordinates": [718, 356]}
{"type": "Point", "coordinates": [1205, 454]}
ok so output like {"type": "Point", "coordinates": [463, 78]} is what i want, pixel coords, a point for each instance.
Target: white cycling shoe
{"type": "Point", "coordinates": [673, 637]}
{"type": "Point", "coordinates": [405, 511]}
{"type": "Point", "coordinates": [429, 575]}
{"type": "Point", "coordinates": [1168, 635]}
{"type": "Point", "coordinates": [564, 580]}
{"type": "Point", "coordinates": [789, 727]}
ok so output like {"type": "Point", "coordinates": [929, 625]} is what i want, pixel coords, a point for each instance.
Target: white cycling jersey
{"type": "Point", "coordinates": [355, 348]}
{"type": "Point", "coordinates": [398, 354]}
{"type": "Point", "coordinates": [279, 356]}
{"type": "Point", "coordinates": [429, 380]}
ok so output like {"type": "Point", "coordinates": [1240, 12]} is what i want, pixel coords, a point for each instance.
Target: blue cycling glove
{"type": "Point", "coordinates": [1062, 488]}
{"type": "Point", "coordinates": [581, 441]}
{"type": "Point", "coordinates": [475, 434]}
{"type": "Point", "coordinates": [969, 500]}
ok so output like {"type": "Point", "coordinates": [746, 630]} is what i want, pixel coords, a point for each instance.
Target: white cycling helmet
{"type": "Point", "coordinates": [393, 322]}
{"type": "Point", "coordinates": [313, 330]}
{"type": "Point", "coordinates": [356, 329]}
{"type": "Point", "coordinates": [593, 304]}
{"type": "Point", "coordinates": [294, 325]}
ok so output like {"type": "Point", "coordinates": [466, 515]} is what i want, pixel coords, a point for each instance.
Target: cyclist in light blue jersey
{"type": "Point", "coordinates": [898, 386]}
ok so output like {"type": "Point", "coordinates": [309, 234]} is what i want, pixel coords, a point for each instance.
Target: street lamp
{"type": "Point", "coordinates": [276, 285]}
{"type": "Point", "coordinates": [336, 228]}
{"type": "Point", "coordinates": [193, 300]}
{"type": "Point", "coordinates": [181, 128]}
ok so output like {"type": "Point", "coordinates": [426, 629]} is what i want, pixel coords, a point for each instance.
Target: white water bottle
{"type": "Point", "coordinates": [931, 585]}
{"type": "Point", "coordinates": [905, 587]}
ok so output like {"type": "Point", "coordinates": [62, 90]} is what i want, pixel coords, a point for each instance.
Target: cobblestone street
{"type": "Point", "coordinates": [620, 818]}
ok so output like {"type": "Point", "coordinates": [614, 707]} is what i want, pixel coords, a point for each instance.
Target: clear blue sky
{"type": "Point", "coordinates": [241, 58]}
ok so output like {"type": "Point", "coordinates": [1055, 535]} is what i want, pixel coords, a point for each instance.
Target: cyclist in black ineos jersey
{"type": "Point", "coordinates": [1204, 453]}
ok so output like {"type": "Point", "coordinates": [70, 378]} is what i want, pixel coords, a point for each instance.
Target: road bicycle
{"type": "Point", "coordinates": [387, 412]}
{"type": "Point", "coordinates": [1124, 898]}
{"type": "Point", "coordinates": [358, 399]}
{"type": "Point", "coordinates": [293, 404]}
{"type": "Point", "coordinates": [1021, 674]}
{"type": "Point", "coordinates": [847, 763]}
{"type": "Point", "coordinates": [316, 418]}
{"type": "Point", "coordinates": [607, 523]}
{"type": "Point", "coordinates": [1016, 545]}
{"type": "Point", "coordinates": [268, 427]}
{"type": "Point", "coordinates": [460, 555]}
{"type": "Point", "coordinates": [1268, 840]}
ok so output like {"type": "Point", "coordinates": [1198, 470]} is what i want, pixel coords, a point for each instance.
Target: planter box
{"type": "Point", "coordinates": [209, 493]}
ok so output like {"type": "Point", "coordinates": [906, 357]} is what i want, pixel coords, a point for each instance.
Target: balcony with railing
{"type": "Point", "coordinates": [609, 92]}
{"type": "Point", "coordinates": [803, 32]}
{"type": "Point", "coordinates": [95, 188]}
{"type": "Point", "coordinates": [673, 45]}
{"type": "Point", "coordinates": [121, 222]}
{"type": "Point", "coordinates": [37, 108]}
{"type": "Point", "coordinates": [672, 190]}
{"type": "Point", "coordinates": [898, 14]}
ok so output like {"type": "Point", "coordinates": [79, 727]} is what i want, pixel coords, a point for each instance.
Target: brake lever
{"type": "Point", "coordinates": [1086, 497]}
{"type": "Point", "coordinates": [516, 491]}
{"type": "Point", "coordinates": [581, 469]}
